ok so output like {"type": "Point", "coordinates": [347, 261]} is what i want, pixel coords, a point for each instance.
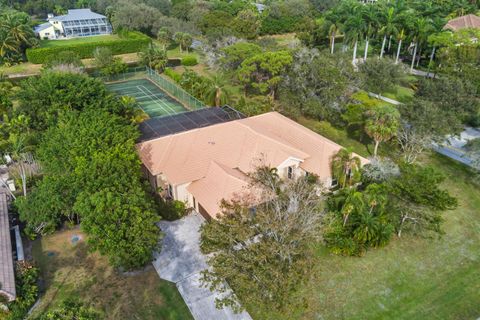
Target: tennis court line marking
{"type": "Point", "coordinates": [151, 95]}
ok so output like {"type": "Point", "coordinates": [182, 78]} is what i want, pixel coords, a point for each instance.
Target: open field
{"type": "Point", "coordinates": [411, 278]}
{"type": "Point", "coordinates": [68, 42]}
{"type": "Point", "coordinates": [71, 271]}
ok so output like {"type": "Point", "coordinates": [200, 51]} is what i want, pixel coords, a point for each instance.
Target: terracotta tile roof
{"type": "Point", "coordinates": [464, 22]}
{"type": "Point", "coordinates": [214, 159]}
{"type": "Point", "coordinates": [7, 275]}
{"type": "Point", "coordinates": [219, 183]}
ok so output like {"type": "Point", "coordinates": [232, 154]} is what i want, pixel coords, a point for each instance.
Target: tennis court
{"type": "Point", "coordinates": [150, 98]}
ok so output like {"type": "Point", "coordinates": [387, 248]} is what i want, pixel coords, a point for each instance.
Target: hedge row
{"type": "Point", "coordinates": [128, 43]}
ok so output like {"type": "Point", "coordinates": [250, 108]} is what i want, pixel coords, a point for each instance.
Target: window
{"type": "Point", "coordinates": [290, 172]}
{"type": "Point", "coordinates": [170, 191]}
{"type": "Point", "coordinates": [334, 182]}
{"type": "Point", "coordinates": [47, 34]}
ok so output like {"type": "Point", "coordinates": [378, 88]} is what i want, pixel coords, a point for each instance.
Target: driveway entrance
{"type": "Point", "coordinates": [181, 262]}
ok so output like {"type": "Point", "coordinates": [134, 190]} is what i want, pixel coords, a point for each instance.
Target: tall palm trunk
{"type": "Point", "coordinates": [419, 56]}
{"type": "Point", "coordinates": [431, 61]}
{"type": "Point", "coordinates": [389, 43]}
{"type": "Point", "coordinates": [366, 50]}
{"type": "Point", "coordinates": [375, 150]}
{"type": "Point", "coordinates": [333, 43]}
{"type": "Point", "coordinates": [398, 51]}
{"type": "Point", "coordinates": [383, 45]}
{"type": "Point", "coordinates": [218, 94]}
{"type": "Point", "coordinates": [355, 51]}
{"type": "Point", "coordinates": [414, 56]}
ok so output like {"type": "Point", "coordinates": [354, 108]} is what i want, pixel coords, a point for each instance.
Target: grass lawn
{"type": "Point", "coordinates": [70, 270]}
{"type": "Point", "coordinates": [61, 43]}
{"type": "Point", "coordinates": [401, 94]}
{"type": "Point", "coordinates": [411, 278]}
{"type": "Point", "coordinates": [25, 68]}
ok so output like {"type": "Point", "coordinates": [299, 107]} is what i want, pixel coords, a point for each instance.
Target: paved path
{"type": "Point", "coordinates": [181, 262]}
{"type": "Point", "coordinates": [454, 147]}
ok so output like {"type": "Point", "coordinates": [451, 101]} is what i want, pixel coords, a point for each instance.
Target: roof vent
{"type": "Point", "coordinates": [211, 142]}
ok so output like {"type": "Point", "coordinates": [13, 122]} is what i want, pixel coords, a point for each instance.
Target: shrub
{"type": "Point", "coordinates": [172, 74]}
{"type": "Point", "coordinates": [66, 57]}
{"type": "Point", "coordinates": [27, 291]}
{"type": "Point", "coordinates": [131, 42]}
{"type": "Point", "coordinates": [189, 61]}
{"type": "Point", "coordinates": [172, 210]}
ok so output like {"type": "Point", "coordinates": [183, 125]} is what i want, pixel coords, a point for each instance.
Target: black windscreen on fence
{"type": "Point", "coordinates": [159, 127]}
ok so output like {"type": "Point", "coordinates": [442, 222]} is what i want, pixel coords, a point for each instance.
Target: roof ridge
{"type": "Point", "coordinates": [280, 141]}
{"type": "Point", "coordinates": [225, 169]}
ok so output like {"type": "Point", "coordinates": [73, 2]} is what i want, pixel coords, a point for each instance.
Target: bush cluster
{"type": "Point", "coordinates": [189, 61]}
{"type": "Point", "coordinates": [172, 74]}
{"type": "Point", "coordinates": [172, 210]}
{"type": "Point", "coordinates": [27, 291]}
{"type": "Point", "coordinates": [128, 43]}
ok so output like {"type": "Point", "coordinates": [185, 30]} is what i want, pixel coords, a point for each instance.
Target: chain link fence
{"type": "Point", "coordinates": [175, 91]}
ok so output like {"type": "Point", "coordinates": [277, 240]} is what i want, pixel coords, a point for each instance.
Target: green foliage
{"type": "Point", "coordinates": [358, 220]}
{"type": "Point", "coordinates": [236, 53]}
{"type": "Point", "coordinates": [382, 124]}
{"type": "Point", "coordinates": [69, 310]}
{"type": "Point", "coordinates": [154, 57]}
{"type": "Point", "coordinates": [64, 58]}
{"type": "Point", "coordinates": [26, 277]}
{"type": "Point", "coordinates": [247, 24]}
{"type": "Point", "coordinates": [189, 61]}
{"type": "Point", "coordinates": [317, 85]}
{"type": "Point", "coordinates": [419, 200]}
{"type": "Point", "coordinates": [94, 151]}
{"type": "Point", "coordinates": [264, 71]}
{"type": "Point", "coordinates": [132, 42]}
{"type": "Point", "coordinates": [172, 210]}
{"type": "Point", "coordinates": [346, 168]}
{"type": "Point", "coordinates": [107, 64]}
{"type": "Point", "coordinates": [16, 34]}
{"type": "Point", "coordinates": [172, 74]}
{"type": "Point", "coordinates": [42, 99]}
{"type": "Point", "coordinates": [264, 254]}
{"type": "Point", "coordinates": [184, 40]}
{"type": "Point", "coordinates": [381, 75]}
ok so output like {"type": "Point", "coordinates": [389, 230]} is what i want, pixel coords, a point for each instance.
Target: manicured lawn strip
{"type": "Point", "coordinates": [73, 272]}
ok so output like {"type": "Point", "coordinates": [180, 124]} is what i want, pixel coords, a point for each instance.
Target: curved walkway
{"type": "Point", "coordinates": [180, 261]}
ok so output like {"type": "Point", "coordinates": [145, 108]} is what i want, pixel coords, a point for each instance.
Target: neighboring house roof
{"type": "Point", "coordinates": [43, 26]}
{"type": "Point", "coordinates": [7, 274]}
{"type": "Point", "coordinates": [464, 22]}
{"type": "Point", "coordinates": [78, 14]}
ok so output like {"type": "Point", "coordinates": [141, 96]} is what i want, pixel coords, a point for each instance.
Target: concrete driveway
{"type": "Point", "coordinates": [180, 261]}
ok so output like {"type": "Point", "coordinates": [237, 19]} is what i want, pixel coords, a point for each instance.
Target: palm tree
{"type": "Point", "coordinates": [423, 28]}
{"type": "Point", "coordinates": [400, 38]}
{"type": "Point", "coordinates": [15, 33]}
{"type": "Point", "coordinates": [164, 37]}
{"type": "Point", "coordinates": [369, 15]}
{"type": "Point", "coordinates": [346, 168]}
{"type": "Point", "coordinates": [389, 28]}
{"type": "Point", "coordinates": [354, 30]}
{"type": "Point", "coordinates": [332, 32]}
{"type": "Point", "coordinates": [217, 92]}
{"type": "Point", "coordinates": [382, 124]}
{"type": "Point", "coordinates": [154, 57]}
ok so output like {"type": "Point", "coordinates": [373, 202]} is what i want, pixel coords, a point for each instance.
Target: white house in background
{"type": "Point", "coordinates": [76, 23]}
{"type": "Point", "coordinates": [203, 166]}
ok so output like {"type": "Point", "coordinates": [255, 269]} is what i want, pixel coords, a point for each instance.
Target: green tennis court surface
{"type": "Point", "coordinates": [153, 100]}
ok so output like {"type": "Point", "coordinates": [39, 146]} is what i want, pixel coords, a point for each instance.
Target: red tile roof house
{"type": "Point", "coordinates": [203, 166]}
{"type": "Point", "coordinates": [470, 21]}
